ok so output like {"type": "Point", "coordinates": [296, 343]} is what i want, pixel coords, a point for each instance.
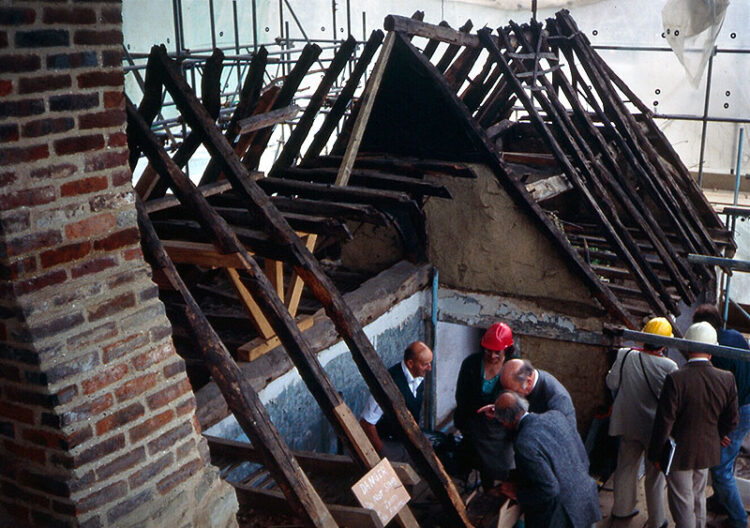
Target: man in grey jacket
{"type": "Point", "coordinates": [553, 488]}
{"type": "Point", "coordinates": [636, 377]}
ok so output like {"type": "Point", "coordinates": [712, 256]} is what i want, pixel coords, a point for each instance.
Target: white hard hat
{"type": "Point", "coordinates": [702, 332]}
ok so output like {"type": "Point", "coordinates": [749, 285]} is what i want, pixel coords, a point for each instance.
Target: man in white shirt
{"type": "Point", "coordinates": [408, 375]}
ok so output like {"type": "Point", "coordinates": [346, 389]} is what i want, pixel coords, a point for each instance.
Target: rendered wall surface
{"type": "Point", "coordinates": [580, 368]}
{"type": "Point", "coordinates": [97, 416]}
{"type": "Point", "coordinates": [294, 411]}
{"type": "Point", "coordinates": [481, 241]}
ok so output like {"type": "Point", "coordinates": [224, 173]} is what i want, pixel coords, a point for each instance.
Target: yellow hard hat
{"type": "Point", "coordinates": [658, 326]}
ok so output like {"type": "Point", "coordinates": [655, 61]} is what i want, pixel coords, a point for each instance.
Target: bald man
{"type": "Point", "coordinates": [540, 388]}
{"type": "Point", "coordinates": [408, 375]}
{"type": "Point", "coordinates": [553, 486]}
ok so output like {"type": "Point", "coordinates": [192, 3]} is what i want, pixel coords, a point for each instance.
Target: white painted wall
{"type": "Point", "coordinates": [453, 344]}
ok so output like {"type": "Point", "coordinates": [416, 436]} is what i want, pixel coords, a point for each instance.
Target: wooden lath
{"type": "Point", "coordinates": [265, 293]}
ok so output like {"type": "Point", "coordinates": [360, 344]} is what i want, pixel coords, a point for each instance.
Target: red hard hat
{"type": "Point", "coordinates": [497, 337]}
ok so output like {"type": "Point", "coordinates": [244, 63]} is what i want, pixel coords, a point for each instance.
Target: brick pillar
{"type": "Point", "coordinates": [97, 417]}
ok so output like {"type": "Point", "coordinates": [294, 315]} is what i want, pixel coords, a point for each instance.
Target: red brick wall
{"type": "Point", "coordinates": [97, 421]}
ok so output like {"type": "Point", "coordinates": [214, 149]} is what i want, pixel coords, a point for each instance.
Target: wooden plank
{"type": "Point", "coordinates": [366, 103]}
{"type": "Point", "coordinates": [274, 501]}
{"type": "Point", "coordinates": [259, 320]}
{"type": "Point", "coordinates": [361, 213]}
{"type": "Point", "coordinates": [239, 394]}
{"type": "Point", "coordinates": [296, 284]}
{"type": "Point", "coordinates": [199, 254]}
{"type": "Point", "coordinates": [252, 350]}
{"type": "Point", "coordinates": [345, 96]}
{"type": "Point", "coordinates": [363, 353]}
{"type": "Point", "coordinates": [452, 50]}
{"type": "Point", "coordinates": [293, 145]}
{"type": "Point", "coordinates": [440, 33]}
{"type": "Point", "coordinates": [401, 165]}
{"type": "Point", "coordinates": [275, 273]}
{"type": "Point", "coordinates": [268, 119]}
{"type": "Point", "coordinates": [370, 179]}
{"type": "Point", "coordinates": [348, 194]}
{"type": "Point", "coordinates": [549, 187]}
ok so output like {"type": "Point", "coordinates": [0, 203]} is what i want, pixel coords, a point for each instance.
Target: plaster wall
{"type": "Point", "coordinates": [454, 343]}
{"type": "Point", "coordinates": [567, 345]}
{"type": "Point", "coordinates": [292, 408]}
{"type": "Point", "coordinates": [580, 368]}
{"type": "Point", "coordinates": [481, 241]}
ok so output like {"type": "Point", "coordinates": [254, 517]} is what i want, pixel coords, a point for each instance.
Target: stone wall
{"type": "Point", "coordinates": [97, 417]}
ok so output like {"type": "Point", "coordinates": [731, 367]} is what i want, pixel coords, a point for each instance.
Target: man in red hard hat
{"type": "Point", "coordinates": [485, 441]}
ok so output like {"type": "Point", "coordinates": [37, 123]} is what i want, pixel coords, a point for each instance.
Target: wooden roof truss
{"type": "Point", "coordinates": [230, 221]}
{"type": "Point", "coordinates": [599, 175]}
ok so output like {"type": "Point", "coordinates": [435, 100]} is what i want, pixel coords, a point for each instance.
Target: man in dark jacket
{"type": "Point", "coordinates": [726, 496]}
{"type": "Point", "coordinates": [541, 389]}
{"type": "Point", "coordinates": [698, 408]}
{"type": "Point", "coordinates": [554, 488]}
{"type": "Point", "coordinates": [408, 375]}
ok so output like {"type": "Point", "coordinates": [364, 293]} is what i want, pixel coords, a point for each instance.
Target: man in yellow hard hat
{"type": "Point", "coordinates": [636, 378]}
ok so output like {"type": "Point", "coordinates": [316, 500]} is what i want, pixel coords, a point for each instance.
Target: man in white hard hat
{"type": "Point", "coordinates": [698, 408]}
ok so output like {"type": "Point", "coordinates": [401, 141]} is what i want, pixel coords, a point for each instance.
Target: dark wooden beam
{"type": "Point", "coordinates": [293, 145]}
{"type": "Point", "coordinates": [370, 179]}
{"type": "Point", "coordinates": [269, 500]}
{"type": "Point", "coordinates": [345, 96]}
{"type": "Point", "coordinates": [348, 194]}
{"type": "Point", "coordinates": [239, 394]}
{"type": "Point", "coordinates": [249, 97]}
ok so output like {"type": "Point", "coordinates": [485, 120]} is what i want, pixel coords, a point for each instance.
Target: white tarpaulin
{"type": "Point", "coordinates": [691, 28]}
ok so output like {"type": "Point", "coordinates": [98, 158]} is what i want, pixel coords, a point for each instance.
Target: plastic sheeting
{"type": "Point", "coordinates": [691, 28]}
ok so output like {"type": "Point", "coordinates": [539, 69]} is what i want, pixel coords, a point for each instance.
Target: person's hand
{"type": "Point", "coordinates": [725, 441]}
{"type": "Point", "coordinates": [488, 411]}
{"type": "Point", "coordinates": [509, 489]}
